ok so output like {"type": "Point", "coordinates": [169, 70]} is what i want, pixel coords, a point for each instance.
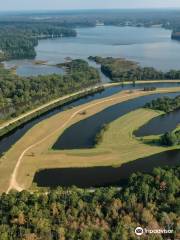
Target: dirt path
{"type": "Point", "coordinates": [13, 182]}
{"type": "Point", "coordinates": [7, 123]}
{"type": "Point", "coordinates": [106, 85]}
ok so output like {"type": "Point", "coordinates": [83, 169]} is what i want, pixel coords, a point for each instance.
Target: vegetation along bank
{"type": "Point", "coordinates": [148, 200]}
{"type": "Point", "coordinates": [120, 70]}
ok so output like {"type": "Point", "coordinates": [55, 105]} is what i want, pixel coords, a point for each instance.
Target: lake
{"type": "Point", "coordinates": [151, 47]}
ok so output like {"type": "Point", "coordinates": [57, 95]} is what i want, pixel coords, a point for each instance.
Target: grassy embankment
{"type": "Point", "coordinates": [114, 150]}
{"type": "Point", "coordinates": [8, 126]}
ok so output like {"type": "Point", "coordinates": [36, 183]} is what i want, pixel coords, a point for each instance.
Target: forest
{"type": "Point", "coordinates": [118, 69]}
{"type": "Point", "coordinates": [19, 94]}
{"type": "Point", "coordinates": [167, 18]}
{"type": "Point", "coordinates": [18, 41]}
{"type": "Point", "coordinates": [165, 104]}
{"type": "Point", "coordinates": [147, 200]}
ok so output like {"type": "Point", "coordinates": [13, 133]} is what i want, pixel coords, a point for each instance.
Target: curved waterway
{"type": "Point", "coordinates": [160, 124]}
{"type": "Point", "coordinates": [82, 134]}
{"type": "Point", "coordinates": [14, 136]}
{"type": "Point", "coordinates": [104, 176]}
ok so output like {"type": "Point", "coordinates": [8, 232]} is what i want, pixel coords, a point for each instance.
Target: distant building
{"type": "Point", "coordinates": [99, 23]}
{"type": "Point", "coordinates": [157, 25]}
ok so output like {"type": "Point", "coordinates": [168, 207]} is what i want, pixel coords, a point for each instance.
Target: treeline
{"type": "Point", "coordinates": [123, 70]}
{"type": "Point", "coordinates": [167, 19]}
{"type": "Point", "coordinates": [19, 94]}
{"type": "Point", "coordinates": [60, 103]}
{"type": "Point", "coordinates": [148, 200]}
{"type": "Point", "coordinates": [18, 41]}
{"type": "Point", "coordinates": [165, 104]}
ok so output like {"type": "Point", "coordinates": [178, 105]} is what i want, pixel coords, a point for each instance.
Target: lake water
{"type": "Point", "coordinates": [28, 68]}
{"type": "Point", "coordinates": [160, 125]}
{"type": "Point", "coordinates": [85, 139]}
{"type": "Point", "coordinates": [104, 176]}
{"type": "Point", "coordinates": [151, 47]}
{"type": "Point", "coordinates": [101, 176]}
{"type": "Point", "coordinates": [9, 140]}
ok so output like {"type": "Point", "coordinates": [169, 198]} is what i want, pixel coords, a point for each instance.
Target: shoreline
{"type": "Point", "coordinates": [10, 125]}
{"type": "Point", "coordinates": [39, 139]}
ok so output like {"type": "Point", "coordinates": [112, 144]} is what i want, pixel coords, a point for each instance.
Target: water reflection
{"type": "Point", "coordinates": [87, 129]}
{"type": "Point", "coordinates": [160, 125]}
{"type": "Point", "coordinates": [104, 176]}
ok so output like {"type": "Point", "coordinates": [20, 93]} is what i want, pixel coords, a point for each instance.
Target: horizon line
{"type": "Point", "coordinates": [89, 9]}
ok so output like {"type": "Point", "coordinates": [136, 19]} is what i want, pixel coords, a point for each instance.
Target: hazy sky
{"type": "Point", "coordinates": [84, 4]}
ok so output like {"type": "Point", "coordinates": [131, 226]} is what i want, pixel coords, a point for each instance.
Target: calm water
{"type": "Point", "coordinates": [11, 139]}
{"type": "Point", "coordinates": [160, 125]}
{"type": "Point", "coordinates": [28, 68]}
{"type": "Point", "coordinates": [82, 134]}
{"type": "Point", "coordinates": [149, 46]}
{"type": "Point", "coordinates": [104, 176]}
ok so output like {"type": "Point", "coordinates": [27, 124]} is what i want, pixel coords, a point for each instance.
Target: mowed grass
{"type": "Point", "coordinates": [118, 146]}
{"type": "Point", "coordinates": [120, 138]}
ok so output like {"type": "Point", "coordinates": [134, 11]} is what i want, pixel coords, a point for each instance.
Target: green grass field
{"type": "Point", "coordinates": [119, 137]}
{"type": "Point", "coordinates": [119, 145]}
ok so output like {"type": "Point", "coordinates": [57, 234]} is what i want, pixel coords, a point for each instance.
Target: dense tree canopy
{"type": "Point", "coordinates": [18, 94]}
{"type": "Point", "coordinates": [149, 201]}
{"type": "Point", "coordinates": [19, 40]}
{"type": "Point", "coordinates": [171, 138]}
{"type": "Point", "coordinates": [165, 104]}
{"type": "Point", "coordinates": [118, 70]}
